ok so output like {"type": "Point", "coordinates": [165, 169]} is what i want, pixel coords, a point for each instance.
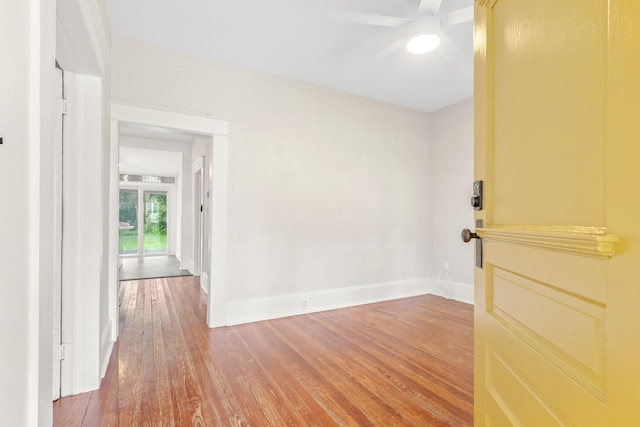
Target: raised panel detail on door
{"type": "Point", "coordinates": [565, 329]}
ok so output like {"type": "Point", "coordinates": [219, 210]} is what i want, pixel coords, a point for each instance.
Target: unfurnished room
{"type": "Point", "coordinates": [317, 213]}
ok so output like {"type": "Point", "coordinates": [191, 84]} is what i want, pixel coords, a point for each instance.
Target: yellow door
{"type": "Point", "coordinates": [557, 144]}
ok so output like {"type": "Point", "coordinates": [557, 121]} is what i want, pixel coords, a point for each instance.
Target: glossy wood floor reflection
{"type": "Point", "coordinates": [402, 362]}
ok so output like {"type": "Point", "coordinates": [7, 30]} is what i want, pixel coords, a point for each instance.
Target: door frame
{"type": "Point", "coordinates": [57, 234]}
{"type": "Point", "coordinates": [198, 214]}
{"type": "Point", "coordinates": [217, 130]}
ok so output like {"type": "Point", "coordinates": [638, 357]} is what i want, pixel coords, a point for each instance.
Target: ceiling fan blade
{"type": "Point", "coordinates": [348, 17]}
{"type": "Point", "coordinates": [457, 16]}
{"type": "Point", "coordinates": [428, 7]}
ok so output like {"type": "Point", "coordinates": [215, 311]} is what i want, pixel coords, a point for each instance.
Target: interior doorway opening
{"type": "Point", "coordinates": [213, 139]}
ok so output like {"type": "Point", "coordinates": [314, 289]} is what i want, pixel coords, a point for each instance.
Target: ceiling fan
{"type": "Point", "coordinates": [423, 32]}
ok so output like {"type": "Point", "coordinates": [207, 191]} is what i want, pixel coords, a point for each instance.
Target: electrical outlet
{"type": "Point", "coordinates": [305, 304]}
{"type": "Point", "coordinates": [446, 266]}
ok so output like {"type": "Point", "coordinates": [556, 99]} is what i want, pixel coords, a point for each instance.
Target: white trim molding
{"type": "Point", "coordinates": [180, 120]}
{"type": "Point", "coordinates": [593, 242]}
{"type": "Point", "coordinates": [106, 347]}
{"type": "Point", "coordinates": [308, 302]}
{"type": "Point", "coordinates": [204, 282]}
{"type": "Point", "coordinates": [258, 309]}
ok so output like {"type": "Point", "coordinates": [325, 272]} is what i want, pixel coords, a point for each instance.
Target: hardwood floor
{"type": "Point", "coordinates": [402, 362]}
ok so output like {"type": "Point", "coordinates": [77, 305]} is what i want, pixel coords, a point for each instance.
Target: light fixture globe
{"type": "Point", "coordinates": [423, 34]}
{"type": "Point", "coordinates": [423, 43]}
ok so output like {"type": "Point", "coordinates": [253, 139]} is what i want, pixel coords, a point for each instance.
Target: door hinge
{"type": "Point", "coordinates": [63, 106]}
{"type": "Point", "coordinates": [64, 351]}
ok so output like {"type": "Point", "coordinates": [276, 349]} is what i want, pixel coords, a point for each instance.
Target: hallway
{"type": "Point", "coordinates": [136, 268]}
{"type": "Point", "coordinates": [402, 362]}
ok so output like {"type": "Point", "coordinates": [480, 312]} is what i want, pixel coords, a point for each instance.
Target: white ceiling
{"type": "Point", "coordinates": [136, 160]}
{"type": "Point", "coordinates": [296, 39]}
{"type": "Point", "coordinates": [144, 161]}
{"type": "Point", "coordinates": [155, 161]}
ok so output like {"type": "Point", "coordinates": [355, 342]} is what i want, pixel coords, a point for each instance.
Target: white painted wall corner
{"type": "Point", "coordinates": [451, 290]}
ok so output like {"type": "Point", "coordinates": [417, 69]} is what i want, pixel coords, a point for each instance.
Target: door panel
{"type": "Point", "coordinates": [143, 222]}
{"type": "Point", "coordinates": [155, 222]}
{"type": "Point", "coordinates": [557, 324]}
{"type": "Point", "coordinates": [545, 59]}
{"type": "Point", "coordinates": [128, 221]}
{"type": "Point", "coordinates": [544, 344]}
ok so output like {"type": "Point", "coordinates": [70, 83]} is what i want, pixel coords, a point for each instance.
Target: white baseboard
{"type": "Point", "coordinates": [204, 282]}
{"type": "Point", "coordinates": [184, 265]}
{"type": "Point", "coordinates": [308, 302]}
{"type": "Point", "coordinates": [106, 348]}
{"type": "Point", "coordinates": [451, 290]}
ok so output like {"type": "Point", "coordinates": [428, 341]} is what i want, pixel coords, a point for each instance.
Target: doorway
{"type": "Point", "coordinates": [145, 241]}
{"type": "Point", "coordinates": [144, 222]}
{"type": "Point", "coordinates": [216, 133]}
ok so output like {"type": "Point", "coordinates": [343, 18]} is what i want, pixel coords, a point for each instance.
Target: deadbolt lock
{"type": "Point", "coordinates": [476, 199]}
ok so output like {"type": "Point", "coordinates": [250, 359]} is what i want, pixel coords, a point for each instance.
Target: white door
{"type": "Point", "coordinates": [57, 237]}
{"type": "Point", "coordinates": [198, 220]}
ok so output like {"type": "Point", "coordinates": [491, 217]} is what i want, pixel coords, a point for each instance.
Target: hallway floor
{"type": "Point", "coordinates": [151, 267]}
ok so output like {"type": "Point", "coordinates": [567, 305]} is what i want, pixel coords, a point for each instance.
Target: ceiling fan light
{"type": "Point", "coordinates": [423, 43]}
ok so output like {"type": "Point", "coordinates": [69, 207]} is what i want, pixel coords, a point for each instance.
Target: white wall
{"type": "Point", "coordinates": [27, 42]}
{"type": "Point", "coordinates": [326, 190]}
{"type": "Point", "coordinates": [84, 222]}
{"type": "Point", "coordinates": [14, 224]}
{"type": "Point", "coordinates": [451, 176]}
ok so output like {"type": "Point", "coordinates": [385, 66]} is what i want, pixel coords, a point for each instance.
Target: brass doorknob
{"type": "Point", "coordinates": [467, 235]}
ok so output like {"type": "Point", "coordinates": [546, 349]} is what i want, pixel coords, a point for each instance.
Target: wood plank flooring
{"type": "Point", "coordinates": [402, 362]}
